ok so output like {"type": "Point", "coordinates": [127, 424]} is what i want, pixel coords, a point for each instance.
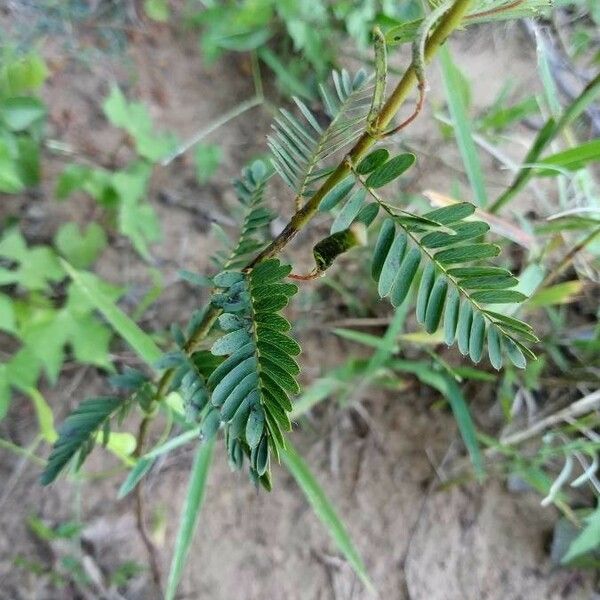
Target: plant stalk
{"type": "Point", "coordinates": [450, 21]}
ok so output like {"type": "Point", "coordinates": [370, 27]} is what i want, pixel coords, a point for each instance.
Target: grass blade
{"type": "Point", "coordinates": [136, 474]}
{"type": "Point", "coordinates": [546, 134]}
{"type": "Point", "coordinates": [325, 512]}
{"type": "Point", "coordinates": [189, 518]}
{"type": "Point", "coordinates": [176, 442]}
{"type": "Point", "coordinates": [571, 159]}
{"type": "Point", "coordinates": [140, 342]}
{"type": "Point", "coordinates": [461, 412]}
{"type": "Point", "coordinates": [462, 127]}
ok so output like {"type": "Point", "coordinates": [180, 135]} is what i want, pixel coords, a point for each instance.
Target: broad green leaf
{"type": "Point", "coordinates": [80, 248]}
{"type": "Point", "coordinates": [46, 331]}
{"type": "Point", "coordinates": [189, 517]}
{"type": "Point", "coordinates": [137, 219]}
{"type": "Point", "coordinates": [134, 118]}
{"type": "Point", "coordinates": [21, 74]}
{"type": "Point", "coordinates": [11, 180]}
{"type": "Point", "coordinates": [325, 512]}
{"type": "Point", "coordinates": [36, 266]}
{"type": "Point", "coordinates": [141, 342]}
{"type": "Point", "coordinates": [20, 112]}
{"type": "Point", "coordinates": [95, 182]}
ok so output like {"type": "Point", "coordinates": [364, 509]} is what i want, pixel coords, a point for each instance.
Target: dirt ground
{"type": "Point", "coordinates": [465, 543]}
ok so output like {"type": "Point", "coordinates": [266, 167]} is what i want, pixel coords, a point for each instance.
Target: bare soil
{"type": "Point", "coordinates": [467, 542]}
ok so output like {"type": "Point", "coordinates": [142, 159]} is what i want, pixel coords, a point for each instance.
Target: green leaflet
{"type": "Point", "coordinates": [392, 263]}
{"type": "Point", "coordinates": [447, 290]}
{"type": "Point", "coordinates": [425, 287]}
{"type": "Point", "coordinates": [451, 316]}
{"type": "Point", "coordinates": [405, 276]}
{"type": "Point", "coordinates": [435, 305]}
{"type": "Point", "coordinates": [494, 347]}
{"type": "Point", "coordinates": [451, 214]}
{"type": "Point", "coordinates": [498, 296]}
{"type": "Point", "coordinates": [390, 170]}
{"type": "Point", "coordinates": [349, 211]}
{"type": "Point", "coordinates": [382, 248]}
{"type": "Point", "coordinates": [465, 320]}
{"type": "Point", "coordinates": [462, 232]}
{"type": "Point", "coordinates": [372, 161]}
{"type": "Point", "coordinates": [254, 230]}
{"type": "Point", "coordinates": [337, 194]}
{"type": "Point", "coordinates": [251, 388]}
{"type": "Point", "coordinates": [476, 337]}
{"type": "Point", "coordinates": [300, 147]}
{"type": "Point", "coordinates": [467, 253]}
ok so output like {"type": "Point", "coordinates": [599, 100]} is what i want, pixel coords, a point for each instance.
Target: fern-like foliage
{"type": "Point", "coordinates": [450, 286]}
{"type": "Point", "coordinates": [190, 373]}
{"type": "Point", "coordinates": [456, 286]}
{"type": "Point", "coordinates": [255, 218]}
{"type": "Point", "coordinates": [251, 388]}
{"type": "Point", "coordinates": [300, 147]}
{"type": "Point", "coordinates": [78, 432]}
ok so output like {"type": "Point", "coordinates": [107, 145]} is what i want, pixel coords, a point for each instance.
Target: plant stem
{"type": "Point", "coordinates": [140, 518]}
{"type": "Point", "coordinates": [450, 21]}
